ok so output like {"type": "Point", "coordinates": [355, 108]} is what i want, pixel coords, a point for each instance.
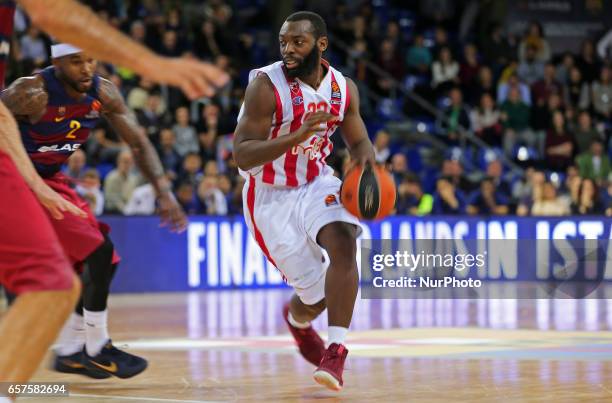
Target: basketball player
{"type": "Point", "coordinates": [31, 258]}
{"type": "Point", "coordinates": [56, 109]}
{"type": "Point", "coordinates": [32, 263]}
{"type": "Point", "coordinates": [291, 197]}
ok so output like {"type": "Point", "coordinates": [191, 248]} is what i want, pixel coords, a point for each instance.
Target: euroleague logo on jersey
{"type": "Point", "coordinates": [297, 100]}
{"type": "Point", "coordinates": [336, 96]}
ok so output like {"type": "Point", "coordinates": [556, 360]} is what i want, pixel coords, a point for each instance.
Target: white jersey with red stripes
{"type": "Point", "coordinates": [294, 99]}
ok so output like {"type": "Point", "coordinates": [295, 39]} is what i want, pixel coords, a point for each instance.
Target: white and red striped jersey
{"type": "Point", "coordinates": [294, 99]}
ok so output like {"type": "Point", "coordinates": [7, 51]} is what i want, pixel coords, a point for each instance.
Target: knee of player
{"type": "Point", "coordinates": [71, 293]}
{"type": "Point", "coordinates": [341, 245]}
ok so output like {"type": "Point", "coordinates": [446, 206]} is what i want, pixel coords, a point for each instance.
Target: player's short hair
{"type": "Point", "coordinates": [319, 28]}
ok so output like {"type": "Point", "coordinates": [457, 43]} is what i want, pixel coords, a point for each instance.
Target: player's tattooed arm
{"type": "Point", "coordinates": [252, 147]}
{"type": "Point", "coordinates": [123, 121]}
{"type": "Point", "coordinates": [26, 98]}
{"type": "Point", "coordinates": [354, 130]}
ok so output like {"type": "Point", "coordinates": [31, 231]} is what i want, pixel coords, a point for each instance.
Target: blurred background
{"type": "Point", "coordinates": [477, 107]}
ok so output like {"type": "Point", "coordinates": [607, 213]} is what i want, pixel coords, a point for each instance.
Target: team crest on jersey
{"type": "Point", "coordinates": [294, 86]}
{"type": "Point", "coordinates": [331, 200]}
{"type": "Point", "coordinates": [297, 100]}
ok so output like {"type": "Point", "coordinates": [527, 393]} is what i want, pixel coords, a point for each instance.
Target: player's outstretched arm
{"type": "Point", "coordinates": [10, 143]}
{"type": "Point", "coordinates": [123, 121]}
{"type": "Point", "coordinates": [354, 132]}
{"type": "Point", "coordinates": [76, 24]}
{"type": "Point", "coordinates": [26, 98]}
{"type": "Point", "coordinates": [251, 144]}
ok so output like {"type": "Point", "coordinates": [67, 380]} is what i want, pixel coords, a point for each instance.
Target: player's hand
{"type": "Point", "coordinates": [195, 78]}
{"type": "Point", "coordinates": [361, 159]}
{"type": "Point", "coordinates": [314, 122]}
{"type": "Point", "coordinates": [171, 213]}
{"type": "Point", "coordinates": [55, 203]}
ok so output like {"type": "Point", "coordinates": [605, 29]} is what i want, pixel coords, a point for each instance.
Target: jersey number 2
{"type": "Point", "coordinates": [74, 126]}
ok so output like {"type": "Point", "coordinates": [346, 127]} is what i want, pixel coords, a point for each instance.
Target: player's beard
{"type": "Point", "coordinates": [307, 66]}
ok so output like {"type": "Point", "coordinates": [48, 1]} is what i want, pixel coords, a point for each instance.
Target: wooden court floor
{"type": "Point", "coordinates": [233, 346]}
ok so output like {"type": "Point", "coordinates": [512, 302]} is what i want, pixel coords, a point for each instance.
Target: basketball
{"type": "Point", "coordinates": [368, 192]}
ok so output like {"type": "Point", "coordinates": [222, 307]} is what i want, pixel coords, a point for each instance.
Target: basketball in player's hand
{"type": "Point", "coordinates": [368, 192]}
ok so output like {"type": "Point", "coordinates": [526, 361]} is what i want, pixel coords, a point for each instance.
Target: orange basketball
{"type": "Point", "coordinates": [368, 193]}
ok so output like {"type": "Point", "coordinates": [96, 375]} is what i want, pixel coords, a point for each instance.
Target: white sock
{"type": "Point", "coordinates": [336, 334]}
{"type": "Point", "coordinates": [96, 331]}
{"type": "Point", "coordinates": [295, 323]}
{"type": "Point", "coordinates": [72, 337]}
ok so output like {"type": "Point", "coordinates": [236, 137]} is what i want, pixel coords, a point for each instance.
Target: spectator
{"type": "Point", "coordinates": [142, 201]}
{"type": "Point", "coordinates": [153, 115]}
{"type": "Point", "coordinates": [211, 168]}
{"type": "Point", "coordinates": [497, 50]}
{"type": "Point", "coordinates": [120, 183]}
{"type": "Point", "coordinates": [484, 85]}
{"type": "Point", "coordinates": [575, 91]}
{"type": "Point", "coordinates": [453, 170]}
{"type": "Point", "coordinates": [75, 167]}
{"type": "Point", "coordinates": [444, 71]}
{"type": "Point", "coordinates": [456, 116]}
{"type": "Point", "coordinates": [170, 159]}
{"type": "Point", "coordinates": [411, 197]}
{"type": "Point", "coordinates": [495, 171]}
{"type": "Point", "coordinates": [542, 117]}
{"type": "Point", "coordinates": [529, 191]}
{"type": "Point", "coordinates": [212, 200]}
{"type": "Point", "coordinates": [565, 68]}
{"type": "Point", "coordinates": [589, 202]}
{"type": "Point", "coordinates": [418, 57]}
{"type": "Point", "coordinates": [381, 146]}
{"type": "Point", "coordinates": [399, 167]}
{"type": "Point", "coordinates": [530, 69]}
{"type": "Point", "coordinates": [170, 46]}
{"type": "Point", "coordinates": [33, 49]}
{"type": "Point", "coordinates": [601, 95]}
{"type": "Point", "coordinates": [192, 169]}
{"type": "Point", "coordinates": [515, 115]}
{"type": "Point", "coordinates": [559, 145]}
{"type": "Point", "coordinates": [486, 121]}
{"type": "Point", "coordinates": [549, 204]}
{"type": "Point", "coordinates": [90, 189]}
{"type": "Point", "coordinates": [541, 89]}
{"type": "Point", "coordinates": [468, 71]}
{"type": "Point", "coordinates": [570, 190]}
{"type": "Point", "coordinates": [594, 164]}
{"type": "Point", "coordinates": [589, 65]}
{"type": "Point", "coordinates": [447, 199]}
{"type": "Point", "coordinates": [138, 96]}
{"type": "Point", "coordinates": [514, 82]}
{"type": "Point", "coordinates": [211, 126]}
{"type": "Point", "coordinates": [534, 39]}
{"type": "Point", "coordinates": [186, 137]}
{"type": "Point", "coordinates": [585, 134]}
{"type": "Point", "coordinates": [487, 200]}
{"type": "Point", "coordinates": [185, 195]}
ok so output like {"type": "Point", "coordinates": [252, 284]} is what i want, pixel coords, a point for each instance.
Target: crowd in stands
{"type": "Point", "coordinates": [544, 110]}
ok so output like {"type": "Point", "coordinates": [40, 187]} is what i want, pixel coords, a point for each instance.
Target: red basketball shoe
{"type": "Point", "coordinates": [329, 373]}
{"type": "Point", "coordinates": [310, 344]}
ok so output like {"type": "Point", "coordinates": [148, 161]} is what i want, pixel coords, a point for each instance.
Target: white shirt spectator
{"type": "Point", "coordinates": [142, 201]}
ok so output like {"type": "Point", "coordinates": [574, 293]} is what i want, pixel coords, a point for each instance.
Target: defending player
{"type": "Point", "coordinates": [56, 110]}
{"type": "Point", "coordinates": [291, 198]}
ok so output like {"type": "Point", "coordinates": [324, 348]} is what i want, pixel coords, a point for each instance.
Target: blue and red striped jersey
{"type": "Point", "coordinates": [7, 13]}
{"type": "Point", "coordinates": [63, 128]}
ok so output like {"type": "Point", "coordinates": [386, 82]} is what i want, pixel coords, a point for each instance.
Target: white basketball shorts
{"type": "Point", "coordinates": [285, 223]}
